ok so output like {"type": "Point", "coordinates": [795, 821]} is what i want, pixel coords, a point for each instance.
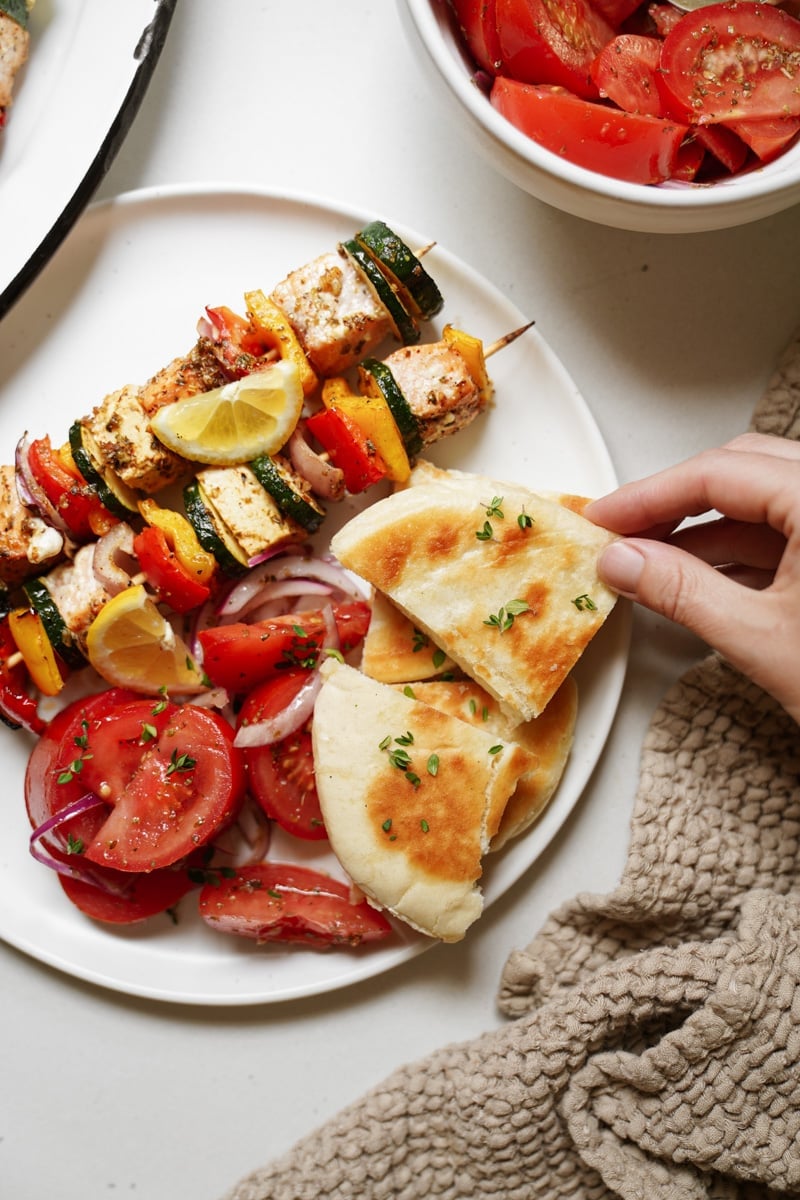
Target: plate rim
{"type": "Point", "coordinates": [148, 51]}
{"type": "Point", "coordinates": [616, 631]}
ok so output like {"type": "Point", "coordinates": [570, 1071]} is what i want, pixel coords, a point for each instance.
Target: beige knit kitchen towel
{"type": "Point", "coordinates": [654, 1050]}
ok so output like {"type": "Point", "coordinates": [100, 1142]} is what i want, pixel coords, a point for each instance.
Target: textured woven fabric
{"type": "Point", "coordinates": [653, 1050]}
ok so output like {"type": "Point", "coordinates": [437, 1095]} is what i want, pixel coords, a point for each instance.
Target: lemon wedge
{"type": "Point", "coordinates": [132, 645]}
{"type": "Point", "coordinates": [236, 422]}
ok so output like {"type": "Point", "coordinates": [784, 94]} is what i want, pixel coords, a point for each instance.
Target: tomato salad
{"type": "Point", "coordinates": [642, 92]}
{"type": "Point", "coordinates": [137, 800]}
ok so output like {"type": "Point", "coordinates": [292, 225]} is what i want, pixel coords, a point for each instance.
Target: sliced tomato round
{"type": "Point", "coordinates": [169, 775]}
{"type": "Point", "coordinates": [239, 657]}
{"type": "Point", "coordinates": [477, 21]}
{"type": "Point", "coordinates": [629, 146]}
{"type": "Point", "coordinates": [281, 777]}
{"type": "Point", "coordinates": [733, 62]}
{"type": "Point", "coordinates": [542, 41]}
{"type": "Point", "coordinates": [626, 71]}
{"type": "Point", "coordinates": [280, 902]}
{"type": "Point", "coordinates": [123, 899]}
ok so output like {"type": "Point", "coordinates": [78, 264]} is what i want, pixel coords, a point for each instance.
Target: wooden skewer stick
{"type": "Point", "coordinates": [13, 660]}
{"type": "Point", "coordinates": [425, 250]}
{"type": "Point", "coordinates": [506, 340]}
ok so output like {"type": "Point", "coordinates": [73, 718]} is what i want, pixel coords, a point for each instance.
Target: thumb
{"type": "Point", "coordinates": [683, 588]}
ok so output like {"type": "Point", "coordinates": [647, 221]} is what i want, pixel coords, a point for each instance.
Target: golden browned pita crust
{"type": "Point", "coordinates": [421, 548]}
{"type": "Point", "coordinates": [548, 737]}
{"type": "Point", "coordinates": [411, 836]}
{"type": "Point", "coordinates": [394, 651]}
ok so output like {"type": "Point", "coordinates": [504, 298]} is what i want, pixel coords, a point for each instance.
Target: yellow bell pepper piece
{"type": "Point", "coordinates": [36, 649]}
{"type": "Point", "coordinates": [272, 324]}
{"type": "Point", "coordinates": [471, 350]}
{"type": "Point", "coordinates": [374, 418]}
{"type": "Point", "coordinates": [181, 538]}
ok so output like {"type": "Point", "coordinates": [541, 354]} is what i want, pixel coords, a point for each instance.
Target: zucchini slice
{"type": "Point", "coordinates": [405, 326]}
{"type": "Point", "coordinates": [377, 375]}
{"type": "Point", "coordinates": [402, 268]}
{"type": "Point", "coordinates": [117, 497]}
{"type": "Point", "coordinates": [58, 633]}
{"type": "Point", "coordinates": [216, 540]}
{"type": "Point", "coordinates": [284, 485]}
{"type": "Point", "coordinates": [18, 10]}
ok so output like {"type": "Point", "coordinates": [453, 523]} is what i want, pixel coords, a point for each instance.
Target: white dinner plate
{"type": "Point", "coordinates": [119, 299]}
{"type": "Point", "coordinates": [89, 65]}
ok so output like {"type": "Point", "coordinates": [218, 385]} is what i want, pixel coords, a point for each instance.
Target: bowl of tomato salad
{"type": "Point", "coordinates": [639, 116]}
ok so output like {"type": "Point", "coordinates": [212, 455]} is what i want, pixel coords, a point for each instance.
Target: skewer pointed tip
{"type": "Point", "coordinates": [507, 339]}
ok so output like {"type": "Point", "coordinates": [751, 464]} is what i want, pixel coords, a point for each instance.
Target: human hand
{"type": "Point", "coordinates": [732, 579]}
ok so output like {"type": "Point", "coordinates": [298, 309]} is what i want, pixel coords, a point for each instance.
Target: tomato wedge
{"type": "Point", "coordinates": [733, 62]}
{"type": "Point", "coordinates": [625, 71]}
{"type": "Point", "coordinates": [630, 146]}
{"type": "Point", "coordinates": [239, 657]}
{"type": "Point", "coordinates": [280, 902]}
{"type": "Point", "coordinates": [143, 897]}
{"type": "Point", "coordinates": [281, 776]}
{"type": "Point", "coordinates": [477, 20]}
{"type": "Point", "coordinates": [542, 41]}
{"type": "Point", "coordinates": [169, 775]}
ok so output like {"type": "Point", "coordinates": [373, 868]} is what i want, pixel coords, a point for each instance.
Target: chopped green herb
{"type": "Point", "coordinates": [433, 764]}
{"type": "Point", "coordinates": [421, 640]}
{"type": "Point", "coordinates": [75, 845]}
{"type": "Point", "coordinates": [387, 741]}
{"type": "Point", "coordinates": [409, 691]}
{"type": "Point", "coordinates": [485, 534]}
{"type": "Point", "coordinates": [181, 762]}
{"type": "Point", "coordinates": [148, 731]}
{"type": "Point", "coordinates": [494, 509]}
{"type": "Point", "coordinates": [503, 619]}
{"type": "Point", "coordinates": [524, 521]}
{"type": "Point", "coordinates": [496, 749]}
{"type": "Point", "coordinates": [585, 602]}
{"type": "Point", "coordinates": [162, 703]}
{"type": "Point", "coordinates": [405, 739]}
{"type": "Point", "coordinates": [424, 826]}
{"type": "Point", "coordinates": [439, 658]}
{"type": "Point", "coordinates": [387, 825]}
{"type": "Point", "coordinates": [473, 708]}
{"type": "Point", "coordinates": [332, 652]}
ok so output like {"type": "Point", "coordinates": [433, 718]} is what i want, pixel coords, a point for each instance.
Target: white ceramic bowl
{"type": "Point", "coordinates": [666, 208]}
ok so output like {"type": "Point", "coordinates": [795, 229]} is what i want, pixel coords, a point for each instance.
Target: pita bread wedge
{"type": "Point", "coordinates": [548, 737]}
{"type": "Point", "coordinates": [394, 651]}
{"type": "Point", "coordinates": [411, 798]}
{"type": "Point", "coordinates": [506, 584]}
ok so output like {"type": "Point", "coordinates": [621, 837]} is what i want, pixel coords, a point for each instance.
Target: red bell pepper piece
{"type": "Point", "coordinates": [349, 449]}
{"type": "Point", "coordinates": [166, 573]}
{"type": "Point", "coordinates": [79, 505]}
{"type": "Point", "coordinates": [17, 706]}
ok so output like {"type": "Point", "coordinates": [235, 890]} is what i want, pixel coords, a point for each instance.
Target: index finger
{"type": "Point", "coordinates": [748, 486]}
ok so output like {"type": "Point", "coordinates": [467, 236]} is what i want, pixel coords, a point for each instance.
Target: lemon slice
{"type": "Point", "coordinates": [131, 644]}
{"type": "Point", "coordinates": [236, 422]}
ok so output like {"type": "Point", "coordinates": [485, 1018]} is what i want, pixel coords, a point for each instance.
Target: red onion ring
{"type": "Point", "coordinates": [301, 707]}
{"type": "Point", "coordinates": [30, 491]}
{"type": "Point", "coordinates": [239, 602]}
{"type": "Point", "coordinates": [83, 873]}
{"type": "Point", "coordinates": [113, 546]}
{"type": "Point", "coordinates": [325, 480]}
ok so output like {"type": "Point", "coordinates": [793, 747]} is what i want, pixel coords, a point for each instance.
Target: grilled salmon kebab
{"type": "Point", "coordinates": [81, 522]}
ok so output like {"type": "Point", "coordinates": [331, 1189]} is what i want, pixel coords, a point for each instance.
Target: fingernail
{"type": "Point", "coordinates": [620, 566]}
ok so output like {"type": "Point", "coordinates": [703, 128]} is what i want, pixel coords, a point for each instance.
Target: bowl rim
{"type": "Point", "coordinates": [435, 26]}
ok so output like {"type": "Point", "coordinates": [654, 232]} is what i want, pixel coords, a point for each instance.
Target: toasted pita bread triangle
{"type": "Point", "coordinates": [506, 584]}
{"type": "Point", "coordinates": [548, 737]}
{"type": "Point", "coordinates": [410, 831]}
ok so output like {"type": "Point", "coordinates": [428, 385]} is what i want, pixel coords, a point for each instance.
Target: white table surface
{"type": "Point", "coordinates": [670, 340]}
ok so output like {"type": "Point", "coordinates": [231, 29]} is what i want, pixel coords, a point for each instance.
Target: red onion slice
{"type": "Point", "coordinates": [78, 870]}
{"type": "Point", "coordinates": [30, 491]}
{"type": "Point", "coordinates": [288, 720]}
{"type": "Point", "coordinates": [252, 594]}
{"type": "Point", "coordinates": [301, 708]}
{"type": "Point", "coordinates": [324, 479]}
{"type": "Point", "coordinates": [109, 560]}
